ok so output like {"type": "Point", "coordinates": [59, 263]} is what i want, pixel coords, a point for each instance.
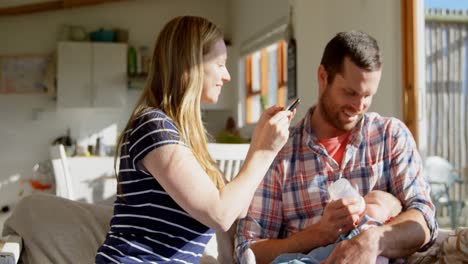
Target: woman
{"type": "Point", "coordinates": [171, 194]}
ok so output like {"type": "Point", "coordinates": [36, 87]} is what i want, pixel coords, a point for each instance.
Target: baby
{"type": "Point", "coordinates": [380, 208]}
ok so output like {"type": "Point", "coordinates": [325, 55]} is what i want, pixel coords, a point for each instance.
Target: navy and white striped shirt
{"type": "Point", "coordinates": [148, 225]}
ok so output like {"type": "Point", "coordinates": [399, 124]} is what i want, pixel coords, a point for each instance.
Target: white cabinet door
{"type": "Point", "coordinates": [74, 83]}
{"type": "Point", "coordinates": [91, 74]}
{"type": "Point", "coordinates": [109, 75]}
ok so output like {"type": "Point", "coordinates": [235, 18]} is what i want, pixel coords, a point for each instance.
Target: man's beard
{"type": "Point", "coordinates": [331, 113]}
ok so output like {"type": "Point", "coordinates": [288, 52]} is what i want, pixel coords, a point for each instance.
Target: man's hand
{"type": "Point", "coordinates": [340, 217]}
{"type": "Point", "coordinates": [360, 249]}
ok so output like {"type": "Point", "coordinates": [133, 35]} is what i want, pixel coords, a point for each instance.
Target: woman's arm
{"type": "Point", "coordinates": [179, 173]}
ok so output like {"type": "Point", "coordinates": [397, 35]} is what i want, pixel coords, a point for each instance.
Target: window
{"type": "Point", "coordinates": [435, 99]}
{"type": "Point", "coordinates": [265, 80]}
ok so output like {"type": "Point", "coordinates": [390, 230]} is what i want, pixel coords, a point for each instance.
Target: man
{"type": "Point", "coordinates": [292, 212]}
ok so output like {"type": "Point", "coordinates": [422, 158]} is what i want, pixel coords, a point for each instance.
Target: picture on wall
{"type": "Point", "coordinates": [23, 74]}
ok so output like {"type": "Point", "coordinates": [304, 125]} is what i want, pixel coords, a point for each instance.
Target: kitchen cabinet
{"type": "Point", "coordinates": [91, 74]}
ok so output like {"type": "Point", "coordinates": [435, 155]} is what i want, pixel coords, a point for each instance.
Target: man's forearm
{"type": "Point", "coordinates": [266, 250]}
{"type": "Point", "coordinates": [407, 233]}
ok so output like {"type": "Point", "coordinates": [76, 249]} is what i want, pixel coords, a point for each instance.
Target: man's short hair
{"type": "Point", "coordinates": [358, 46]}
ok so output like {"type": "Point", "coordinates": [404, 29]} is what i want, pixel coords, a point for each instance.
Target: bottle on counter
{"type": "Point", "coordinates": [132, 62]}
{"type": "Point", "coordinates": [100, 149]}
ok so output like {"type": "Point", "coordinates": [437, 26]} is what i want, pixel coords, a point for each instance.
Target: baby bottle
{"type": "Point", "coordinates": [342, 188]}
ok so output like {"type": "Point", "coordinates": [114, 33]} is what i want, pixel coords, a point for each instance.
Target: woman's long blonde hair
{"type": "Point", "coordinates": [175, 84]}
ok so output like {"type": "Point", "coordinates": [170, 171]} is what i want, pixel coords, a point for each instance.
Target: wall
{"type": "Point", "coordinates": [29, 123]}
{"type": "Point", "coordinates": [315, 23]}
{"type": "Point", "coordinates": [318, 21]}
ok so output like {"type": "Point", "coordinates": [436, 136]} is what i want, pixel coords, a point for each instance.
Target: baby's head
{"type": "Point", "coordinates": [381, 205]}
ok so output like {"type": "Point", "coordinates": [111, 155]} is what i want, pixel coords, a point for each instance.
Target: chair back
{"type": "Point", "coordinates": [86, 179]}
{"type": "Point", "coordinates": [229, 157]}
{"type": "Point", "coordinates": [63, 183]}
{"type": "Point", "coordinates": [441, 176]}
{"type": "Point", "coordinates": [439, 169]}
{"type": "Point", "coordinates": [444, 179]}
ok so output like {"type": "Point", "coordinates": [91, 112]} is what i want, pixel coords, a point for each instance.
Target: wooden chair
{"type": "Point", "coordinates": [86, 179]}
{"type": "Point", "coordinates": [63, 181]}
{"type": "Point", "coordinates": [229, 157]}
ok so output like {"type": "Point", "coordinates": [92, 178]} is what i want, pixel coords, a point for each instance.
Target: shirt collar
{"type": "Point", "coordinates": [355, 137]}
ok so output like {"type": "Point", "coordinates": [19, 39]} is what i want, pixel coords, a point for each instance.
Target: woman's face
{"type": "Point", "coordinates": [215, 72]}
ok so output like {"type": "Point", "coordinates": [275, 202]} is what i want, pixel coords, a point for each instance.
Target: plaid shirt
{"type": "Point", "coordinates": [380, 155]}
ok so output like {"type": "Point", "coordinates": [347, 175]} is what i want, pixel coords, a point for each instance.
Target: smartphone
{"type": "Point", "coordinates": [293, 105]}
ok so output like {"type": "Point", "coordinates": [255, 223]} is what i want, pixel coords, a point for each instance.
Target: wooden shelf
{"type": "Point", "coordinates": [48, 6]}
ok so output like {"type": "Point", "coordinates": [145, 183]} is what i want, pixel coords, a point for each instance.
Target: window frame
{"type": "Point", "coordinates": [410, 100]}
{"type": "Point", "coordinates": [281, 80]}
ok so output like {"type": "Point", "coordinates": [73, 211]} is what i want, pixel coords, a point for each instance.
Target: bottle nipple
{"type": "Point", "coordinates": [341, 188]}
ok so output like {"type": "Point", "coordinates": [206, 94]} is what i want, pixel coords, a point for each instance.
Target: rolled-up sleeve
{"type": "Point", "coordinates": [408, 181]}
{"type": "Point", "coordinates": [264, 218]}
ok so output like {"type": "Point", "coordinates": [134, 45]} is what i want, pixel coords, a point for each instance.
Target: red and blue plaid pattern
{"type": "Point", "coordinates": [381, 155]}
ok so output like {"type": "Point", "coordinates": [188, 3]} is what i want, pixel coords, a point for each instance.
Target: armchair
{"type": "Point", "coordinates": [443, 178]}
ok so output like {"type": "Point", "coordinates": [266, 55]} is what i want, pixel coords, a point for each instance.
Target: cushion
{"type": "Point", "coordinates": [58, 230]}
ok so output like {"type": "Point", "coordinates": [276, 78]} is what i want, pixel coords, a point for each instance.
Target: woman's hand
{"type": "Point", "coordinates": [272, 130]}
